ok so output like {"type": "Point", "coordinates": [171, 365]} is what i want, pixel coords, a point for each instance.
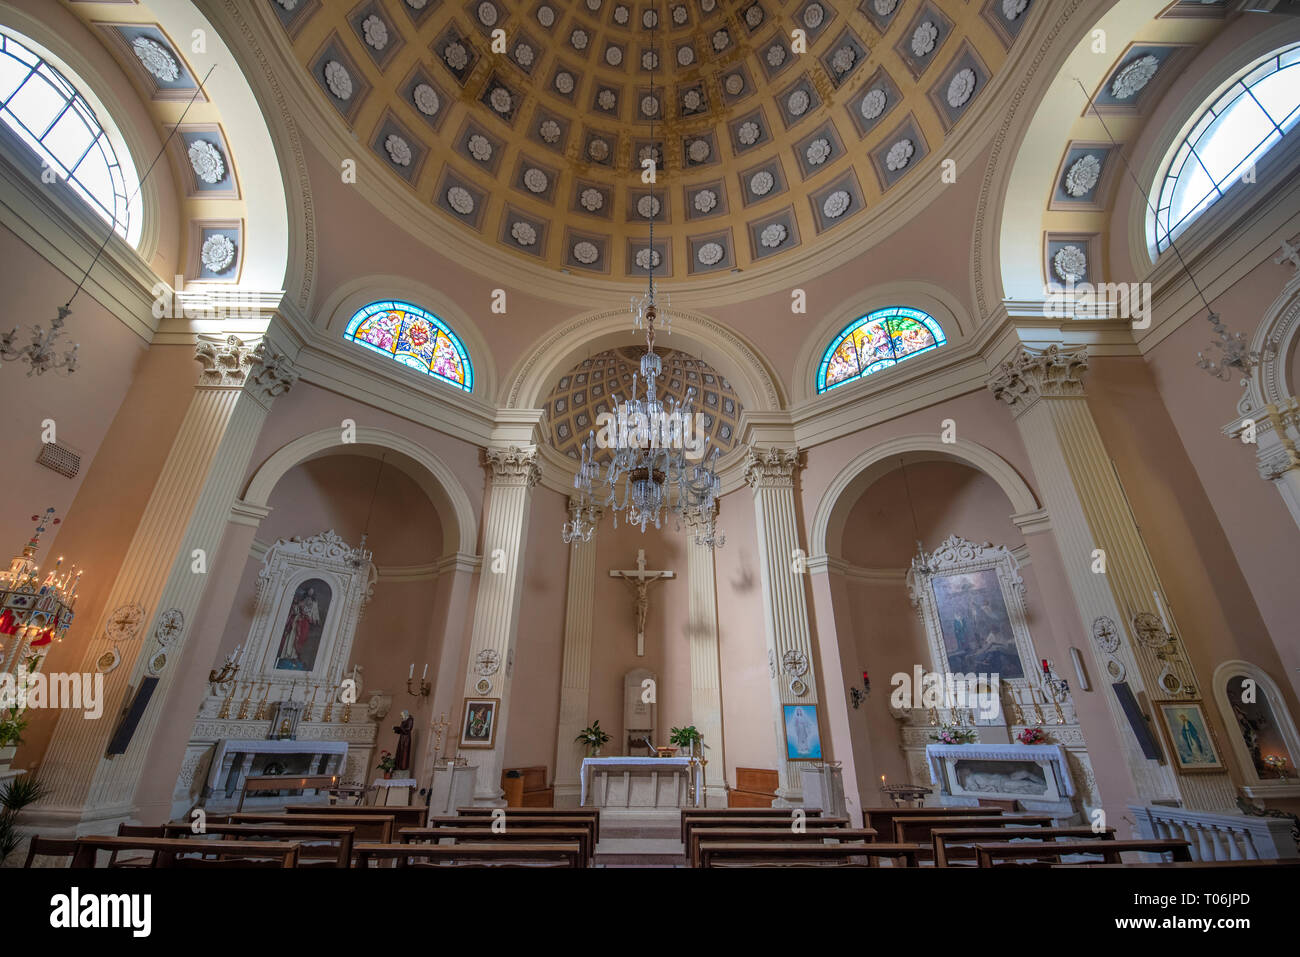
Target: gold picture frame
{"type": "Point", "coordinates": [1192, 745]}
{"type": "Point", "coordinates": [483, 732]}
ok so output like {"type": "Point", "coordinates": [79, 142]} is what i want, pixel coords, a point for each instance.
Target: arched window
{"type": "Point", "coordinates": [876, 341]}
{"type": "Point", "coordinates": [414, 337]}
{"type": "Point", "coordinates": [48, 113]}
{"type": "Point", "coordinates": [1238, 126]}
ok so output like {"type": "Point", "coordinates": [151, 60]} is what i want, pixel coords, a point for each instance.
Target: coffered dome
{"type": "Point", "coordinates": [583, 393]}
{"type": "Point", "coordinates": [538, 146]}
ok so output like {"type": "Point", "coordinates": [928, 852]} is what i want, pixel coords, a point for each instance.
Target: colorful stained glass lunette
{"type": "Point", "coordinates": [876, 341]}
{"type": "Point", "coordinates": [414, 337]}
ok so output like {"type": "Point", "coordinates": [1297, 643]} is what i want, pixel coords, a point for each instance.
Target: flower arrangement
{"type": "Point", "coordinates": [386, 762]}
{"type": "Point", "coordinates": [951, 734]}
{"type": "Point", "coordinates": [1277, 763]}
{"type": "Point", "coordinates": [12, 728]}
{"type": "Point", "coordinates": [593, 737]}
{"type": "Point", "coordinates": [1031, 736]}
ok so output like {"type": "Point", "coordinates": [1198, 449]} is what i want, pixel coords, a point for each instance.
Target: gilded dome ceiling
{"type": "Point", "coordinates": [582, 393]}
{"type": "Point", "coordinates": [536, 145]}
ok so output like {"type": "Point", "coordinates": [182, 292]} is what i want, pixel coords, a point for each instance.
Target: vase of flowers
{"type": "Point", "coordinates": [387, 764]}
{"type": "Point", "coordinates": [1277, 763]}
{"type": "Point", "coordinates": [593, 737]}
{"type": "Point", "coordinates": [1031, 736]}
{"type": "Point", "coordinates": [952, 734]}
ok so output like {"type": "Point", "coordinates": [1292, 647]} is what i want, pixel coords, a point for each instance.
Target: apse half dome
{"type": "Point", "coordinates": [414, 337]}
{"type": "Point", "coordinates": [877, 341]}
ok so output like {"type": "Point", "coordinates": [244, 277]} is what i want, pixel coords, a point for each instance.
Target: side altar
{"type": "Point", "coordinates": [283, 703]}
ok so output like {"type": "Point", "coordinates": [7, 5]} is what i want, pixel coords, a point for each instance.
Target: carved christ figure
{"type": "Point", "coordinates": [640, 580]}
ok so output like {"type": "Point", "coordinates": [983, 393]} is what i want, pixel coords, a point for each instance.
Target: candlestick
{"type": "Point", "coordinates": [1160, 607]}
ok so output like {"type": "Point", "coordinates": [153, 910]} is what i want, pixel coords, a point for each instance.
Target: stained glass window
{"type": "Point", "coordinates": [48, 113]}
{"type": "Point", "coordinates": [1238, 126]}
{"type": "Point", "coordinates": [414, 337]}
{"type": "Point", "coordinates": [877, 341]}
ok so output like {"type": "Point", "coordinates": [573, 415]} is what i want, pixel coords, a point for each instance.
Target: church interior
{"type": "Point", "coordinates": [650, 433]}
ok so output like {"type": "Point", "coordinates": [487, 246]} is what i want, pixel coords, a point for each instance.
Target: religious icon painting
{"type": "Point", "coordinates": [977, 633]}
{"type": "Point", "coordinates": [1190, 740]}
{"type": "Point", "coordinates": [303, 624]}
{"type": "Point", "coordinates": [803, 740]}
{"type": "Point", "coordinates": [478, 726]}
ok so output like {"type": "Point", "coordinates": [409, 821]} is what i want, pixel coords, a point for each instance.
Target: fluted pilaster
{"type": "Point", "coordinates": [1081, 492]}
{"type": "Point", "coordinates": [706, 680]}
{"type": "Point", "coordinates": [575, 677]}
{"type": "Point", "coordinates": [770, 474]}
{"type": "Point", "coordinates": [514, 473]}
{"type": "Point", "coordinates": [185, 516]}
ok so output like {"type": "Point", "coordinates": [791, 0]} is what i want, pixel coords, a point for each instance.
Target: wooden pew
{"type": "Point", "coordinates": [178, 852]}
{"type": "Point", "coordinates": [1214, 865]}
{"type": "Point", "coordinates": [266, 783]}
{"type": "Point", "coordinates": [135, 830]}
{"type": "Point", "coordinates": [916, 830]}
{"type": "Point", "coordinates": [402, 815]}
{"type": "Point", "coordinates": [332, 847]}
{"type": "Point", "coordinates": [561, 814]}
{"type": "Point", "coordinates": [753, 835]}
{"type": "Point", "coordinates": [473, 855]}
{"type": "Point", "coordinates": [486, 835]}
{"type": "Point", "coordinates": [518, 822]}
{"type": "Point", "coordinates": [958, 844]}
{"type": "Point", "coordinates": [50, 847]}
{"type": "Point", "coordinates": [989, 854]}
{"type": "Point", "coordinates": [883, 818]}
{"type": "Point", "coordinates": [377, 828]}
{"type": "Point", "coordinates": [779, 824]}
{"type": "Point", "coordinates": [786, 813]}
{"type": "Point", "coordinates": [793, 853]}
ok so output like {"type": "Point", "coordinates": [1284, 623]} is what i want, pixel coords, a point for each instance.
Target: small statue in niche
{"type": "Point", "coordinates": [402, 756]}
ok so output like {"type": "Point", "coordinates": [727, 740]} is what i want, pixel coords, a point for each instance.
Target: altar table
{"type": "Point", "coordinates": [638, 782]}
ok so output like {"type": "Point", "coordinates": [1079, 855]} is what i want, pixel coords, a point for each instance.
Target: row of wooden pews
{"type": "Point", "coordinates": [344, 836]}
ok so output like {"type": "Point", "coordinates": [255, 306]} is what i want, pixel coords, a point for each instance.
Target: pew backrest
{"type": "Point", "coordinates": [487, 835]}
{"type": "Point", "coordinates": [794, 853]}
{"type": "Point", "coordinates": [501, 853]}
{"type": "Point", "coordinates": [403, 815]}
{"type": "Point", "coordinates": [565, 814]}
{"type": "Point", "coordinates": [953, 844]}
{"type": "Point", "coordinates": [167, 851]}
{"type": "Point", "coordinates": [909, 830]}
{"type": "Point", "coordinates": [365, 827]}
{"type": "Point", "coordinates": [765, 835]}
{"type": "Point", "coordinates": [989, 854]}
{"type": "Point", "coordinates": [319, 843]}
{"type": "Point", "coordinates": [688, 813]}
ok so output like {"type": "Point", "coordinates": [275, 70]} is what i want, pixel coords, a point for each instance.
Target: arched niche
{"type": "Point", "coordinates": [860, 473]}
{"type": "Point", "coordinates": [460, 526]}
{"type": "Point", "coordinates": [1238, 718]}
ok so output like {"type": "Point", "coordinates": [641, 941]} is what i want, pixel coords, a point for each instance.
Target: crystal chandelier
{"type": "Point", "coordinates": [41, 354]}
{"type": "Point", "coordinates": [649, 438]}
{"type": "Point", "coordinates": [36, 612]}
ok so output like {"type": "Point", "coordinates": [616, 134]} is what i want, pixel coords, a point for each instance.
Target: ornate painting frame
{"type": "Point", "coordinates": [958, 556]}
{"type": "Point", "coordinates": [466, 740]}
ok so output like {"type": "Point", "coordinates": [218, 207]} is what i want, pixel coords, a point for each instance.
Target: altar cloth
{"type": "Point", "coordinates": [676, 765]}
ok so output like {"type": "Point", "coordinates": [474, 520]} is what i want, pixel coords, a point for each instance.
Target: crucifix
{"type": "Point", "coordinates": [640, 580]}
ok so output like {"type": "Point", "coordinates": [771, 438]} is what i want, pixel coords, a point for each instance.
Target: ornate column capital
{"type": "Point", "coordinates": [514, 465]}
{"type": "Point", "coordinates": [227, 361]}
{"type": "Point", "coordinates": [1054, 373]}
{"type": "Point", "coordinates": [772, 467]}
{"type": "Point", "coordinates": [231, 363]}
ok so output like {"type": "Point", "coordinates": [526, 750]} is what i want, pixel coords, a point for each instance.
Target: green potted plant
{"type": "Point", "coordinates": [688, 739]}
{"type": "Point", "coordinates": [387, 764]}
{"type": "Point", "coordinates": [14, 796]}
{"type": "Point", "coordinates": [593, 737]}
{"type": "Point", "coordinates": [12, 726]}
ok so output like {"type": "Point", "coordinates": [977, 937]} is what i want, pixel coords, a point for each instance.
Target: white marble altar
{"type": "Point", "coordinates": [225, 778]}
{"type": "Point", "coordinates": [637, 782]}
{"type": "Point", "coordinates": [1025, 772]}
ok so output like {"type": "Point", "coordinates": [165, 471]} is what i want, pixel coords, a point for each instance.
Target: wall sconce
{"type": "Point", "coordinates": [859, 694]}
{"type": "Point", "coordinates": [1053, 682]}
{"type": "Point", "coordinates": [424, 688]}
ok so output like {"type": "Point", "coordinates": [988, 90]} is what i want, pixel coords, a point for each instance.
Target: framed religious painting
{"type": "Point", "coordinates": [478, 725]}
{"type": "Point", "coordinates": [971, 600]}
{"type": "Point", "coordinates": [803, 739]}
{"type": "Point", "coordinates": [1190, 740]}
{"type": "Point", "coordinates": [304, 623]}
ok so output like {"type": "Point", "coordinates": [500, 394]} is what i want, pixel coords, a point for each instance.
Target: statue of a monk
{"type": "Point", "coordinates": [402, 756]}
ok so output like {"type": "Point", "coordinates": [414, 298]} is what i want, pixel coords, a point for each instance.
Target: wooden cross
{"type": "Point", "coordinates": [640, 580]}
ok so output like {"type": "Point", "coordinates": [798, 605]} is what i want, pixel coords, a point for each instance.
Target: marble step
{"type": "Point", "coordinates": [638, 852]}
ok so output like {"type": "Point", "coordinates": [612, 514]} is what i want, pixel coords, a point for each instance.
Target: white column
{"type": "Point", "coordinates": [575, 676]}
{"type": "Point", "coordinates": [186, 513]}
{"type": "Point", "coordinates": [706, 681]}
{"type": "Point", "coordinates": [496, 613]}
{"type": "Point", "coordinates": [1277, 429]}
{"type": "Point", "coordinates": [1089, 512]}
{"type": "Point", "coordinates": [770, 473]}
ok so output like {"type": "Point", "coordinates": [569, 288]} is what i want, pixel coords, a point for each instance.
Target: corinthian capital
{"type": "Point", "coordinates": [274, 374]}
{"type": "Point", "coordinates": [771, 467]}
{"type": "Point", "coordinates": [1054, 373]}
{"type": "Point", "coordinates": [226, 361]}
{"type": "Point", "coordinates": [514, 465]}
